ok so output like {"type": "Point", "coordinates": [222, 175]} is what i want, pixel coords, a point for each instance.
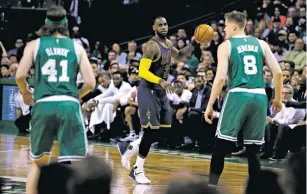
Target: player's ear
{"type": "Point", "coordinates": [154, 27]}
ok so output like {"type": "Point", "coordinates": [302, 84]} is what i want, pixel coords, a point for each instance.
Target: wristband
{"type": "Point", "coordinates": [194, 43]}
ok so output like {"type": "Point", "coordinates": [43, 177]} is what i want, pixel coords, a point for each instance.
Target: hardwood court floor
{"type": "Point", "coordinates": [15, 162]}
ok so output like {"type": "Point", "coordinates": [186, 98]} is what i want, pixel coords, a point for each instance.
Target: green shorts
{"type": "Point", "coordinates": [61, 120]}
{"type": "Point", "coordinates": [246, 110]}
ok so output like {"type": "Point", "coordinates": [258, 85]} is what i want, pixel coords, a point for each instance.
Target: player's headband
{"type": "Point", "coordinates": [53, 23]}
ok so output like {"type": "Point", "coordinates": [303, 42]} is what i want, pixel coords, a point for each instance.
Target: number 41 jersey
{"type": "Point", "coordinates": [56, 65]}
{"type": "Point", "coordinates": [245, 63]}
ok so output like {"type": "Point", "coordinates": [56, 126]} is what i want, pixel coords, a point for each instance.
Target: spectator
{"type": "Point", "coordinates": [130, 111]}
{"type": "Point", "coordinates": [18, 44]}
{"type": "Point", "coordinates": [183, 79]}
{"type": "Point", "coordinates": [276, 131]}
{"type": "Point", "coordinates": [23, 114]}
{"type": "Point", "coordinates": [275, 29]}
{"type": "Point", "coordinates": [292, 38]}
{"type": "Point", "coordinates": [179, 102]}
{"type": "Point", "coordinates": [111, 57]}
{"type": "Point", "coordinates": [286, 76]}
{"type": "Point", "coordinates": [298, 55]}
{"type": "Point", "coordinates": [173, 39]}
{"type": "Point", "coordinates": [13, 70]}
{"type": "Point", "coordinates": [132, 48]}
{"type": "Point", "coordinates": [198, 103]}
{"type": "Point", "coordinates": [121, 56]}
{"type": "Point", "coordinates": [114, 67]}
{"type": "Point", "coordinates": [77, 37]}
{"type": "Point", "coordinates": [280, 51]}
{"type": "Point", "coordinates": [210, 75]}
{"type": "Point", "coordinates": [5, 73]}
{"type": "Point", "coordinates": [108, 101]}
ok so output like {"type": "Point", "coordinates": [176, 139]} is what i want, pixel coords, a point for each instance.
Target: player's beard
{"type": "Point", "coordinates": [161, 35]}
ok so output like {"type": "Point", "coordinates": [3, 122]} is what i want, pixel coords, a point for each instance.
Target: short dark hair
{"type": "Point", "coordinates": [178, 82]}
{"type": "Point", "coordinates": [105, 75]}
{"type": "Point", "coordinates": [237, 17]}
{"type": "Point", "coordinates": [184, 75]}
{"type": "Point", "coordinates": [118, 72]}
{"type": "Point", "coordinates": [199, 77]}
{"type": "Point", "coordinates": [158, 17]}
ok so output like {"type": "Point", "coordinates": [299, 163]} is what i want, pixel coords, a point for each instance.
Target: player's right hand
{"type": "Point", "coordinates": [276, 106]}
{"type": "Point", "coordinates": [28, 97]}
{"type": "Point", "coordinates": [167, 86]}
{"type": "Point", "coordinates": [209, 114]}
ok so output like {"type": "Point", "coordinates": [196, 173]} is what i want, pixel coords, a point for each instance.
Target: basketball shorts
{"type": "Point", "coordinates": [61, 120]}
{"type": "Point", "coordinates": [246, 110]}
{"type": "Point", "coordinates": [154, 108]}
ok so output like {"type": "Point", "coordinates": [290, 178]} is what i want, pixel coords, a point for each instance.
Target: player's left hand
{"type": "Point", "coordinates": [209, 114]}
{"type": "Point", "coordinates": [28, 97]}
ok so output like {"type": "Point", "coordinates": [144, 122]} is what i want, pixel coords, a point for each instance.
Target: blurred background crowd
{"type": "Point", "coordinates": [281, 23]}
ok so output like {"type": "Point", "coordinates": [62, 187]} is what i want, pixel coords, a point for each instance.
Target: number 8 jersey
{"type": "Point", "coordinates": [56, 64]}
{"type": "Point", "coordinates": [245, 63]}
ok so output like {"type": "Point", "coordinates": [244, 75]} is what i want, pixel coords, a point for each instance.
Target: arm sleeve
{"type": "Point", "coordinates": [145, 73]}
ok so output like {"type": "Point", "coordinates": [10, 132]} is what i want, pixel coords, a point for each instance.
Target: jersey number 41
{"type": "Point", "coordinates": [49, 69]}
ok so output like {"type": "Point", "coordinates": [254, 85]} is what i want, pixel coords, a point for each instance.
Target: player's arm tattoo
{"type": "Point", "coordinates": [150, 50]}
{"type": "Point", "coordinates": [184, 52]}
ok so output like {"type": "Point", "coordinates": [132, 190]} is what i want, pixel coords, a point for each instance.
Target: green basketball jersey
{"type": "Point", "coordinates": [245, 63]}
{"type": "Point", "coordinates": [56, 66]}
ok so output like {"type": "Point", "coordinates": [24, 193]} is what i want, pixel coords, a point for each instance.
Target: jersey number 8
{"type": "Point", "coordinates": [250, 67]}
{"type": "Point", "coordinates": [49, 68]}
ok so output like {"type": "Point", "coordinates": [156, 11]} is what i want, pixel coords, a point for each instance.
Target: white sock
{"type": "Point", "coordinates": [140, 163]}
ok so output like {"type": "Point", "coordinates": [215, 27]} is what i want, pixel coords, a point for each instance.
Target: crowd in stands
{"type": "Point", "coordinates": [111, 110]}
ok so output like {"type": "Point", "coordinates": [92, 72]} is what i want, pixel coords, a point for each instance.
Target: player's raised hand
{"type": "Point", "coordinates": [167, 86]}
{"type": "Point", "coordinates": [276, 106]}
{"type": "Point", "coordinates": [27, 96]}
{"type": "Point", "coordinates": [209, 114]}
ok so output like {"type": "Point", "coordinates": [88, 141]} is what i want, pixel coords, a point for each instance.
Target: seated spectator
{"type": "Point", "coordinates": [13, 52]}
{"type": "Point", "coordinates": [23, 114]}
{"type": "Point", "coordinates": [131, 110]}
{"type": "Point", "coordinates": [111, 57]}
{"type": "Point", "coordinates": [134, 78]}
{"type": "Point", "coordinates": [298, 55]}
{"type": "Point", "coordinates": [286, 76]}
{"type": "Point", "coordinates": [121, 56]}
{"type": "Point", "coordinates": [292, 38]}
{"type": "Point", "coordinates": [297, 133]}
{"type": "Point", "coordinates": [114, 67]}
{"type": "Point", "coordinates": [179, 102]}
{"type": "Point", "coordinates": [184, 79]}
{"type": "Point", "coordinates": [105, 102]}
{"type": "Point", "coordinates": [198, 103]}
{"type": "Point", "coordinates": [280, 51]}
{"type": "Point", "coordinates": [132, 47]}
{"type": "Point", "coordinates": [13, 70]}
{"type": "Point", "coordinates": [210, 75]}
{"type": "Point", "coordinates": [276, 128]}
